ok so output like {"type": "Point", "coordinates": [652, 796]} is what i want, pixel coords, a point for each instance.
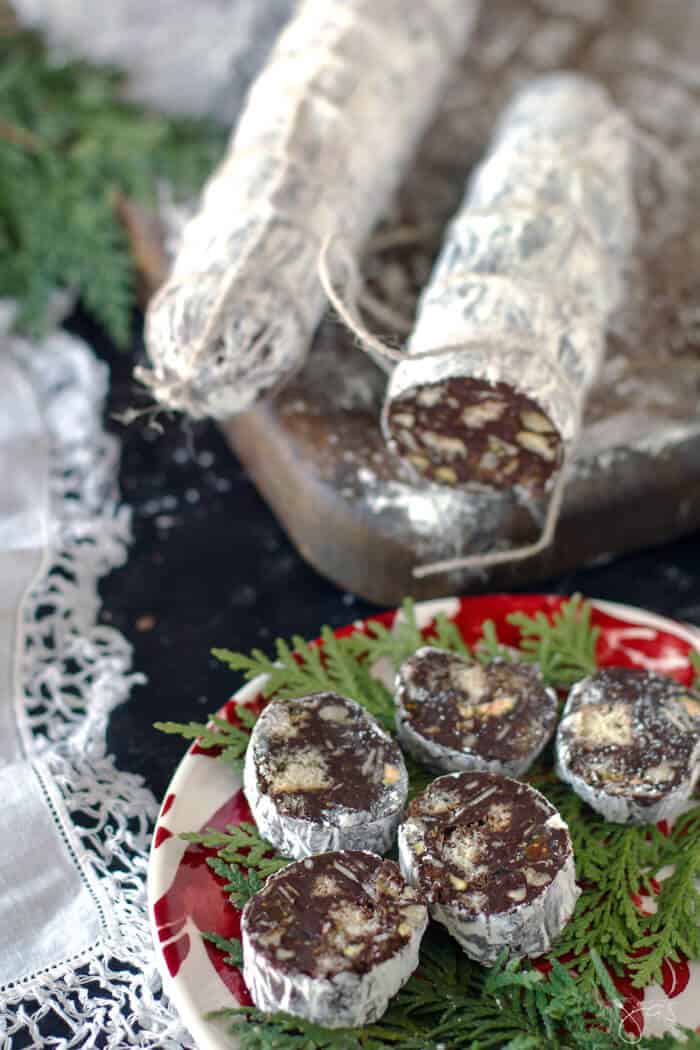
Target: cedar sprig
{"type": "Point", "coordinates": [217, 733]}
{"type": "Point", "coordinates": [694, 657]}
{"type": "Point", "coordinates": [489, 647]}
{"type": "Point", "coordinates": [70, 150]}
{"type": "Point", "coordinates": [231, 946]}
{"type": "Point", "coordinates": [613, 863]}
{"type": "Point", "coordinates": [298, 668]}
{"type": "Point", "coordinates": [241, 884]}
{"type": "Point", "coordinates": [240, 844]}
{"type": "Point", "coordinates": [674, 928]}
{"type": "Point", "coordinates": [565, 646]}
{"type": "Point", "coordinates": [395, 644]}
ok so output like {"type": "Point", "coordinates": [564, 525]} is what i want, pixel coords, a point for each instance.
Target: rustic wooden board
{"type": "Point", "coordinates": [316, 453]}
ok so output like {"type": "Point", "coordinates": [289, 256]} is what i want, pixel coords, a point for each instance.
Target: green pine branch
{"type": "Point", "coordinates": [232, 740]}
{"type": "Point", "coordinates": [299, 668]}
{"type": "Point", "coordinates": [231, 947]}
{"type": "Point", "coordinates": [564, 647]}
{"type": "Point", "coordinates": [240, 844]}
{"type": "Point", "coordinates": [674, 929]}
{"type": "Point", "coordinates": [489, 647]}
{"type": "Point", "coordinates": [240, 885]}
{"type": "Point", "coordinates": [453, 1003]}
{"type": "Point", "coordinates": [69, 147]}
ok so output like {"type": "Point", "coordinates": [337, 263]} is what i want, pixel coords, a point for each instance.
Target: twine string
{"type": "Point", "coordinates": [345, 305]}
{"type": "Point", "coordinates": [346, 308]}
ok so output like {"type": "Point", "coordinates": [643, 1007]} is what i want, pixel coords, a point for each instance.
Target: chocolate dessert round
{"type": "Point", "coordinates": [453, 715]}
{"type": "Point", "coordinates": [320, 774]}
{"type": "Point", "coordinates": [464, 430]}
{"type": "Point", "coordinates": [332, 938]}
{"type": "Point", "coordinates": [629, 744]}
{"type": "Point", "coordinates": [494, 861]}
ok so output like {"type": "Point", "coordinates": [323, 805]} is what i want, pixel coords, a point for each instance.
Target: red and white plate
{"type": "Point", "coordinates": [186, 898]}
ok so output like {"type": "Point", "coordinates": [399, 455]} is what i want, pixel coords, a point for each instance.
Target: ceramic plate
{"type": "Point", "coordinates": [185, 897]}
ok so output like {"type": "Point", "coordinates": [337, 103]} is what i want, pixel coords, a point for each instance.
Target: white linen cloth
{"type": "Point", "coordinates": [77, 965]}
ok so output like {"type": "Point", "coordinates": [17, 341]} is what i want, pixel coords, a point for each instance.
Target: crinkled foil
{"type": "Point", "coordinates": [330, 127]}
{"type": "Point", "coordinates": [535, 259]}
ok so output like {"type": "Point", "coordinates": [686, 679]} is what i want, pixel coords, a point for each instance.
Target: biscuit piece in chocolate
{"type": "Point", "coordinates": [629, 744]}
{"type": "Point", "coordinates": [332, 938]}
{"type": "Point", "coordinates": [453, 715]}
{"type": "Point", "coordinates": [494, 861]}
{"type": "Point", "coordinates": [465, 430]}
{"type": "Point", "coordinates": [321, 774]}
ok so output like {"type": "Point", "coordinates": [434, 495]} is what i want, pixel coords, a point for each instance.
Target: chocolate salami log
{"type": "Point", "coordinates": [629, 744]}
{"type": "Point", "coordinates": [320, 774]}
{"type": "Point", "coordinates": [529, 272]}
{"type": "Point", "coordinates": [452, 715]}
{"type": "Point", "coordinates": [332, 938]}
{"type": "Point", "coordinates": [330, 126]}
{"type": "Point", "coordinates": [494, 861]}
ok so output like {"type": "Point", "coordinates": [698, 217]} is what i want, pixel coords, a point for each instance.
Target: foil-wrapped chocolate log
{"type": "Point", "coordinates": [517, 305]}
{"type": "Point", "coordinates": [329, 128]}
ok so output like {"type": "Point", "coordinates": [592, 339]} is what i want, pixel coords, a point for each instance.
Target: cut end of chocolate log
{"type": "Point", "coordinates": [465, 430]}
{"type": "Point", "coordinates": [321, 774]}
{"type": "Point", "coordinates": [493, 859]}
{"type": "Point", "coordinates": [453, 715]}
{"type": "Point", "coordinates": [332, 938]}
{"type": "Point", "coordinates": [629, 744]}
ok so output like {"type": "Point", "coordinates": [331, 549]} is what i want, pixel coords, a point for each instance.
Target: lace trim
{"type": "Point", "coordinates": [74, 672]}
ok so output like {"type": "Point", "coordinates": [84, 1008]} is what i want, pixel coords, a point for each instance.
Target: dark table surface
{"type": "Point", "coordinates": [210, 566]}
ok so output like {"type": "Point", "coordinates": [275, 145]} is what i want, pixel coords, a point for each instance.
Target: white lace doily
{"type": "Point", "coordinates": [76, 830]}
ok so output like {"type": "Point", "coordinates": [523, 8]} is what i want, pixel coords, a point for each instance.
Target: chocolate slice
{"type": "Point", "coordinates": [332, 938]}
{"type": "Point", "coordinates": [321, 774]}
{"type": "Point", "coordinates": [493, 859]}
{"type": "Point", "coordinates": [629, 744]}
{"type": "Point", "coordinates": [453, 715]}
{"type": "Point", "coordinates": [464, 430]}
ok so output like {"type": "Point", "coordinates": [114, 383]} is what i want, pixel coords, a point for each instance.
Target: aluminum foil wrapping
{"type": "Point", "coordinates": [328, 131]}
{"type": "Point", "coordinates": [195, 60]}
{"type": "Point", "coordinates": [534, 262]}
{"type": "Point", "coordinates": [526, 931]}
{"type": "Point", "coordinates": [342, 996]}
{"type": "Point", "coordinates": [345, 1000]}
